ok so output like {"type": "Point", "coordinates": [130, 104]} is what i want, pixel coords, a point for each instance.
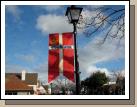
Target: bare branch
{"type": "Point", "coordinates": [115, 18]}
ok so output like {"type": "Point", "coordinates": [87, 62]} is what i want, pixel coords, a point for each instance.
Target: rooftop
{"type": "Point", "coordinates": [30, 78]}
{"type": "Point", "coordinates": [13, 83]}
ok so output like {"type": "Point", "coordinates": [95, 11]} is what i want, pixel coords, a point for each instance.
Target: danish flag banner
{"type": "Point", "coordinates": [53, 58]}
{"type": "Point", "coordinates": [68, 55]}
{"type": "Point", "coordinates": [61, 56]}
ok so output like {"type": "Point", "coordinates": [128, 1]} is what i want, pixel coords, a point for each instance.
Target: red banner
{"type": "Point", "coordinates": [53, 58]}
{"type": "Point", "coordinates": [58, 43]}
{"type": "Point", "coordinates": [68, 55]}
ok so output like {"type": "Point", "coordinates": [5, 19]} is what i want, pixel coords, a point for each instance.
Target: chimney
{"type": "Point", "coordinates": [38, 83]}
{"type": "Point", "coordinates": [23, 75]}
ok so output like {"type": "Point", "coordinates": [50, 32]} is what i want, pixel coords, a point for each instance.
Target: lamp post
{"type": "Point", "coordinates": [51, 88]}
{"type": "Point", "coordinates": [73, 14]}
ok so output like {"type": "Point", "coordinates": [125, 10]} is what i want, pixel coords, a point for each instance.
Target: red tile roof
{"type": "Point", "coordinates": [30, 78]}
{"type": "Point", "coordinates": [12, 83]}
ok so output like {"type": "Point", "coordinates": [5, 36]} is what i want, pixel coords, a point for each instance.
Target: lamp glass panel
{"type": "Point", "coordinates": [75, 14]}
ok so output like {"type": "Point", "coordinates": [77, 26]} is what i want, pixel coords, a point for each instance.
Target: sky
{"type": "Point", "coordinates": [26, 41]}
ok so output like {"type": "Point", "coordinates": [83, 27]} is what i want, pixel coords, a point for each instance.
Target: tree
{"type": "Point", "coordinates": [96, 80]}
{"type": "Point", "coordinates": [119, 77]}
{"type": "Point", "coordinates": [121, 83]}
{"type": "Point", "coordinates": [111, 19]}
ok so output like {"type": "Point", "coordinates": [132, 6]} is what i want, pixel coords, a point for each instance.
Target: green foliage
{"type": "Point", "coordinates": [96, 79]}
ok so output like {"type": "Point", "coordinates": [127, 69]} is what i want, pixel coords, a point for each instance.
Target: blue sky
{"type": "Point", "coordinates": [26, 38]}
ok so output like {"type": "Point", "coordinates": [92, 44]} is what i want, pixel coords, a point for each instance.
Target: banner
{"type": "Point", "coordinates": [61, 56]}
{"type": "Point", "coordinates": [53, 58]}
{"type": "Point", "coordinates": [68, 55]}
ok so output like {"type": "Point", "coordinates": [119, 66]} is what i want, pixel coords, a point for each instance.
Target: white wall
{"type": "Point", "coordinates": [23, 93]}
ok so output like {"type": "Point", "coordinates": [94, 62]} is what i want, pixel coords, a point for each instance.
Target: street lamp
{"type": "Point", "coordinates": [73, 14]}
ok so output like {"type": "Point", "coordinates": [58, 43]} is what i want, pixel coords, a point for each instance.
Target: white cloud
{"type": "Point", "coordinates": [51, 8]}
{"type": "Point", "coordinates": [14, 10]}
{"type": "Point", "coordinates": [123, 72]}
{"type": "Point", "coordinates": [93, 7]}
{"type": "Point", "coordinates": [92, 53]}
{"type": "Point", "coordinates": [92, 69]}
{"type": "Point", "coordinates": [10, 68]}
{"type": "Point", "coordinates": [53, 23]}
{"type": "Point", "coordinates": [29, 58]}
{"type": "Point", "coordinates": [42, 70]}
{"type": "Point", "coordinates": [88, 70]}
{"type": "Point", "coordinates": [97, 53]}
{"type": "Point", "coordinates": [120, 73]}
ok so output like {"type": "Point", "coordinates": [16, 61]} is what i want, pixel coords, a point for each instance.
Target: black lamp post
{"type": "Point", "coordinates": [51, 88]}
{"type": "Point", "coordinates": [73, 14]}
